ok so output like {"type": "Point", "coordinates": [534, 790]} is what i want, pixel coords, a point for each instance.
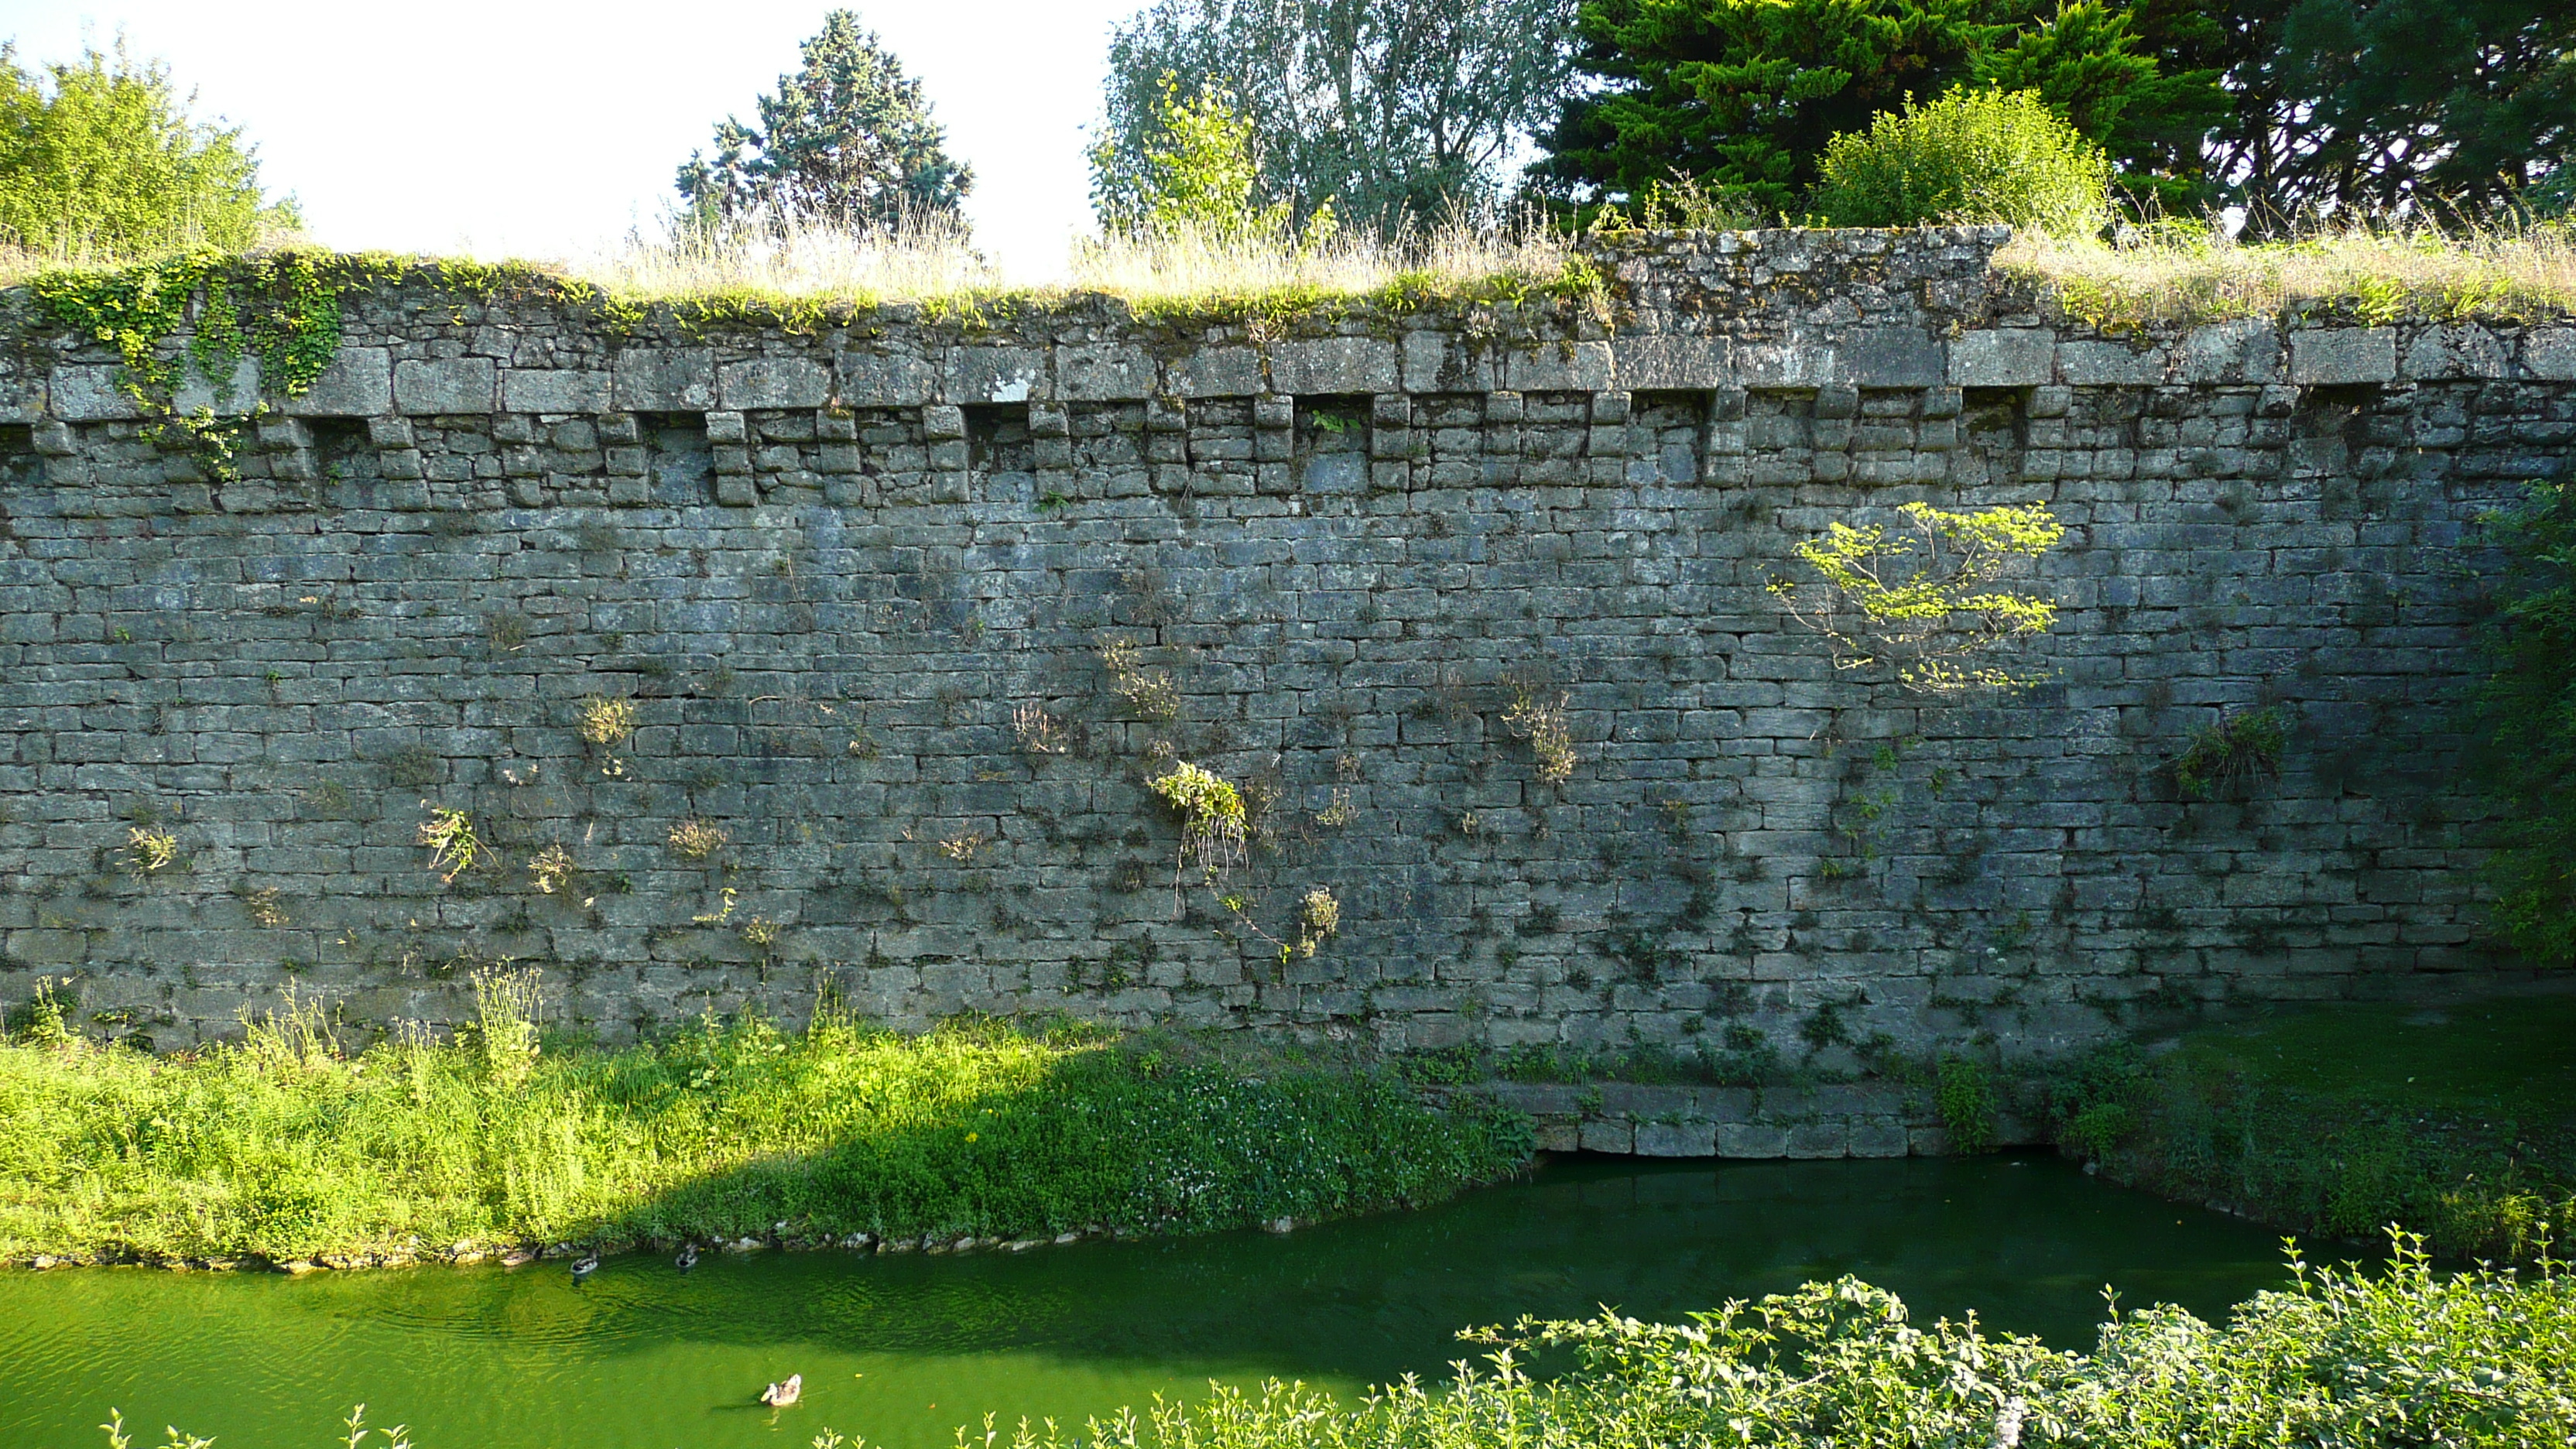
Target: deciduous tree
{"type": "Point", "coordinates": [1382, 108]}
{"type": "Point", "coordinates": [100, 160]}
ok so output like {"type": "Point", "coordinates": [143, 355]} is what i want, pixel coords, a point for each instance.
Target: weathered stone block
{"type": "Point", "coordinates": [458, 385]}
{"type": "Point", "coordinates": [1676, 1139]}
{"type": "Point", "coordinates": [85, 394]}
{"type": "Point", "coordinates": [1216, 372]}
{"type": "Point", "coordinates": [2108, 364]}
{"type": "Point", "coordinates": [886, 379]}
{"type": "Point", "coordinates": [2549, 353]}
{"type": "Point", "coordinates": [774, 382]}
{"type": "Point", "coordinates": [2003, 357]}
{"type": "Point", "coordinates": [555, 391]}
{"type": "Point", "coordinates": [2245, 350]}
{"type": "Point", "coordinates": [238, 394]}
{"type": "Point", "coordinates": [1892, 357]}
{"type": "Point", "coordinates": [666, 379]}
{"type": "Point", "coordinates": [2343, 356]}
{"type": "Point", "coordinates": [1334, 365]}
{"type": "Point", "coordinates": [997, 375]}
{"type": "Point", "coordinates": [1671, 362]}
{"type": "Point", "coordinates": [1105, 372]}
{"type": "Point", "coordinates": [358, 382]}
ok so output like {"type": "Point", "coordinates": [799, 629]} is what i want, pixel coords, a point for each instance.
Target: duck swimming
{"type": "Point", "coordinates": [688, 1257]}
{"type": "Point", "coordinates": [780, 1395]}
{"type": "Point", "coordinates": [585, 1265]}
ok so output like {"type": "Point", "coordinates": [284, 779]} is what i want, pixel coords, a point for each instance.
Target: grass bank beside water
{"type": "Point", "coordinates": [285, 1149]}
{"type": "Point", "coordinates": [2458, 1121]}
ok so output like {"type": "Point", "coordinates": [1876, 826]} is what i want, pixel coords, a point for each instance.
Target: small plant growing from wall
{"type": "Point", "coordinates": [962, 846]}
{"type": "Point", "coordinates": [1926, 598]}
{"type": "Point", "coordinates": [1212, 823]}
{"type": "Point", "coordinates": [1534, 717]}
{"type": "Point", "coordinates": [605, 722]}
{"type": "Point", "coordinates": [263, 908]}
{"type": "Point", "coordinates": [149, 849]}
{"type": "Point", "coordinates": [1147, 693]}
{"type": "Point", "coordinates": [1040, 733]}
{"type": "Point", "coordinates": [2231, 751]}
{"type": "Point", "coordinates": [550, 869]}
{"type": "Point", "coordinates": [695, 840]}
{"type": "Point", "coordinates": [454, 847]}
{"type": "Point", "coordinates": [1964, 1096]}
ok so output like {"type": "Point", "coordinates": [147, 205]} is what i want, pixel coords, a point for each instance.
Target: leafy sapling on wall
{"type": "Point", "coordinates": [1214, 832]}
{"type": "Point", "coordinates": [1926, 599]}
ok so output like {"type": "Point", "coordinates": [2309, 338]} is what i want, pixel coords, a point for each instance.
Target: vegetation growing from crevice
{"type": "Point", "coordinates": [2458, 1122]}
{"type": "Point", "coordinates": [288, 1145]}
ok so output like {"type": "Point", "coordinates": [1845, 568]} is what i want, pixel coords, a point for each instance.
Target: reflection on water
{"type": "Point", "coordinates": [902, 1349]}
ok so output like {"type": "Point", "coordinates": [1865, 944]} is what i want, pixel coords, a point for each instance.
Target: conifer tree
{"type": "Point", "coordinates": [847, 140]}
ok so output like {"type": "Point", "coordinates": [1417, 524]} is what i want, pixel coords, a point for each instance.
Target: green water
{"type": "Point", "coordinates": [903, 1349]}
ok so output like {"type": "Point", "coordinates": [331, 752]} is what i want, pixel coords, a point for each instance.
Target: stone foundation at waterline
{"type": "Point", "coordinates": [902, 611]}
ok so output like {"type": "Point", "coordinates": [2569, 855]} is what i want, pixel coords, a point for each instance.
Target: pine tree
{"type": "Point", "coordinates": [847, 140]}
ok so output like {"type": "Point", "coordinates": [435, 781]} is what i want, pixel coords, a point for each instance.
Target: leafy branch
{"type": "Point", "coordinates": [1925, 597]}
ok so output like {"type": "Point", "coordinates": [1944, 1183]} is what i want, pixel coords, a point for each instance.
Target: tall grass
{"type": "Point", "coordinates": [2374, 272]}
{"type": "Point", "coordinates": [286, 1147]}
{"type": "Point", "coordinates": [933, 260]}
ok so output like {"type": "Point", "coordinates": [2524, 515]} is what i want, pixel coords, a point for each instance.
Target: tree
{"type": "Point", "coordinates": [2389, 105]}
{"type": "Point", "coordinates": [1199, 178]}
{"type": "Point", "coordinates": [104, 163]}
{"type": "Point", "coordinates": [1383, 109]}
{"type": "Point", "coordinates": [1745, 95]}
{"type": "Point", "coordinates": [846, 141]}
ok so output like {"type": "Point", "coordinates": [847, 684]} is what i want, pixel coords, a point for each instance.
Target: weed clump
{"type": "Point", "coordinates": [287, 1145]}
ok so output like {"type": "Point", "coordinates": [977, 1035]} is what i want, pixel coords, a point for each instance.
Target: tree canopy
{"type": "Point", "coordinates": [1746, 94]}
{"type": "Point", "coordinates": [1382, 109]}
{"type": "Point", "coordinates": [100, 160]}
{"type": "Point", "coordinates": [847, 140]}
{"type": "Point", "coordinates": [2285, 107]}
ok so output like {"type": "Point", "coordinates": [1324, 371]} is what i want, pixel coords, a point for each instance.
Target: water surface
{"type": "Point", "coordinates": [903, 1349]}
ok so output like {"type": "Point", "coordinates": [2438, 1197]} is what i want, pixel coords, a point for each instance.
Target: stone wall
{"type": "Point", "coordinates": [858, 580]}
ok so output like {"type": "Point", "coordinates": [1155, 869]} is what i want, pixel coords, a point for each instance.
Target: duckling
{"type": "Point", "coordinates": [688, 1257]}
{"type": "Point", "coordinates": [780, 1395]}
{"type": "Point", "coordinates": [585, 1265]}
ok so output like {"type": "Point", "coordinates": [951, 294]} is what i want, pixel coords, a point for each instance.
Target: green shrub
{"type": "Point", "coordinates": [2232, 751]}
{"type": "Point", "coordinates": [1969, 157]}
{"type": "Point", "coordinates": [1964, 1095]}
{"type": "Point", "coordinates": [284, 1147]}
{"type": "Point", "coordinates": [2525, 714]}
{"type": "Point", "coordinates": [2341, 1357]}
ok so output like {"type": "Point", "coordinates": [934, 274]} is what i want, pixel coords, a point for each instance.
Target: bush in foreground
{"type": "Point", "coordinates": [283, 1148]}
{"type": "Point", "coordinates": [2405, 1357]}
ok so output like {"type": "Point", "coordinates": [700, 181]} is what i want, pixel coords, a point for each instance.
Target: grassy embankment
{"type": "Point", "coordinates": [283, 1148]}
{"type": "Point", "coordinates": [2458, 1122]}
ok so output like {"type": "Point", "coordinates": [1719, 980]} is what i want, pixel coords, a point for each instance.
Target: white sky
{"type": "Point", "coordinates": [543, 129]}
